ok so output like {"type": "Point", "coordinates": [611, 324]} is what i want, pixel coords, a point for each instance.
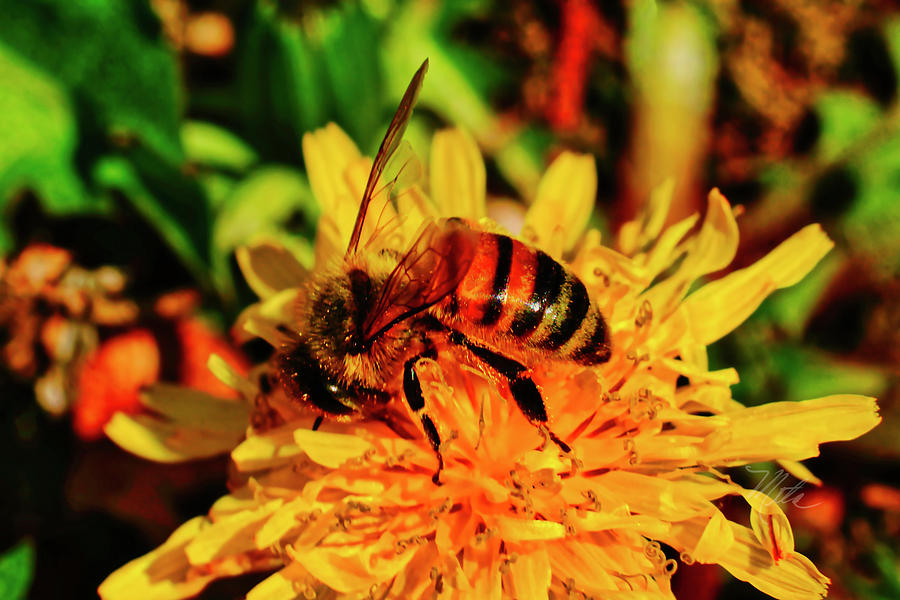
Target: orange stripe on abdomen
{"type": "Point", "coordinates": [521, 283]}
{"type": "Point", "coordinates": [474, 292]}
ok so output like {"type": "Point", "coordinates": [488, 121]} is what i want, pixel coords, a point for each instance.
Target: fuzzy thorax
{"type": "Point", "coordinates": [331, 316]}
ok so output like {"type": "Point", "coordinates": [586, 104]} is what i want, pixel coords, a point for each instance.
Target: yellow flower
{"type": "Point", "coordinates": [350, 510]}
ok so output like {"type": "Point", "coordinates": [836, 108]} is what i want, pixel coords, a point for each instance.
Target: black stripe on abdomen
{"type": "Point", "coordinates": [596, 349]}
{"type": "Point", "coordinates": [549, 277]}
{"type": "Point", "coordinates": [501, 280]}
{"type": "Point", "coordinates": [571, 315]}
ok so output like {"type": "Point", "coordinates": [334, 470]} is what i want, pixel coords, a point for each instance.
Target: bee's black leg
{"type": "Point", "coordinates": [521, 386]}
{"type": "Point", "coordinates": [412, 390]}
{"type": "Point", "coordinates": [317, 423]}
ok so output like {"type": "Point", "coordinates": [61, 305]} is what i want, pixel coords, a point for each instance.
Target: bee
{"type": "Point", "coordinates": [364, 323]}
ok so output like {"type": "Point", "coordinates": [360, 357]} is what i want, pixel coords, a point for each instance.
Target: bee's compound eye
{"type": "Point", "coordinates": [304, 380]}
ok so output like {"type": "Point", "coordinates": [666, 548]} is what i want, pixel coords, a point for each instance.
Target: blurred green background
{"type": "Point", "coordinates": [159, 136]}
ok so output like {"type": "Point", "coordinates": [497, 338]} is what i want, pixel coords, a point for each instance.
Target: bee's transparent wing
{"type": "Point", "coordinates": [428, 272]}
{"type": "Point", "coordinates": [402, 171]}
{"type": "Point", "coordinates": [388, 146]}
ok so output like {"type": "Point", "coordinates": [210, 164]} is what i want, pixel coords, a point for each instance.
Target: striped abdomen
{"type": "Point", "coordinates": [520, 295]}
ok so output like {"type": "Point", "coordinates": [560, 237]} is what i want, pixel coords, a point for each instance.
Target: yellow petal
{"type": "Point", "coordinates": [715, 540]}
{"type": "Point", "coordinates": [349, 569]}
{"type": "Point", "coordinates": [793, 578]}
{"type": "Point", "coordinates": [770, 525]}
{"type": "Point", "coordinates": [605, 521]}
{"type": "Point", "coordinates": [282, 585]}
{"type": "Point", "coordinates": [789, 430]}
{"type": "Point", "coordinates": [716, 244]}
{"type": "Point", "coordinates": [266, 318]}
{"type": "Point", "coordinates": [564, 202]}
{"type": "Point", "coordinates": [481, 564]}
{"type": "Point", "coordinates": [332, 236]}
{"type": "Point", "coordinates": [225, 373]}
{"type": "Point", "coordinates": [633, 235]}
{"type": "Point", "coordinates": [416, 208]}
{"type": "Point", "coordinates": [530, 573]}
{"type": "Point", "coordinates": [273, 448]}
{"type": "Point", "coordinates": [663, 254]}
{"type": "Point", "coordinates": [198, 409]}
{"type": "Point", "coordinates": [712, 249]}
{"type": "Point", "coordinates": [327, 153]}
{"type": "Point", "coordinates": [281, 522]}
{"type": "Point", "coordinates": [162, 441]}
{"type": "Point", "coordinates": [330, 449]}
{"type": "Point", "coordinates": [589, 564]}
{"type": "Point", "coordinates": [793, 258]}
{"type": "Point", "coordinates": [656, 497]}
{"type": "Point", "coordinates": [238, 501]}
{"type": "Point", "coordinates": [719, 307]}
{"type": "Point", "coordinates": [523, 530]}
{"type": "Point", "coordinates": [270, 268]}
{"type": "Point", "coordinates": [800, 471]}
{"type": "Point", "coordinates": [412, 581]}
{"type": "Point", "coordinates": [162, 574]}
{"type": "Point", "coordinates": [230, 536]}
{"type": "Point", "coordinates": [457, 175]}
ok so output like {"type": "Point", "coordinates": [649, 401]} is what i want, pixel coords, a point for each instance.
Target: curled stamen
{"type": "Point", "coordinates": [653, 551]}
{"type": "Point", "coordinates": [670, 566]}
{"type": "Point", "coordinates": [591, 495]}
{"type": "Point", "coordinates": [568, 523]}
{"type": "Point", "coordinates": [645, 314]}
{"type": "Point", "coordinates": [504, 566]}
{"type": "Point", "coordinates": [454, 435]}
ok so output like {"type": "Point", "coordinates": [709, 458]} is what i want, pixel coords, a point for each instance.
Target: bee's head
{"type": "Point", "coordinates": [303, 379]}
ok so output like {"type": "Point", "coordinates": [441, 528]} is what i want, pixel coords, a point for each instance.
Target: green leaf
{"type": "Point", "coordinates": [885, 560]}
{"type": "Point", "coordinates": [111, 57]}
{"type": "Point", "coordinates": [459, 83]}
{"type": "Point", "coordinates": [856, 133]}
{"type": "Point", "coordinates": [212, 146]}
{"type": "Point", "coordinates": [262, 203]}
{"type": "Point", "coordinates": [16, 571]}
{"type": "Point", "coordinates": [39, 136]}
{"type": "Point", "coordinates": [872, 224]}
{"type": "Point", "coordinates": [174, 204]}
{"type": "Point", "coordinates": [281, 84]}
{"type": "Point", "coordinates": [349, 39]}
{"type": "Point", "coordinates": [810, 374]}
{"type": "Point", "coordinates": [846, 118]}
{"type": "Point", "coordinates": [892, 37]}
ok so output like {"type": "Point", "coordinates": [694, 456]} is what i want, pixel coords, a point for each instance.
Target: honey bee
{"type": "Point", "coordinates": [364, 323]}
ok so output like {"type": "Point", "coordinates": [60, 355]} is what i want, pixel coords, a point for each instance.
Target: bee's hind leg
{"type": "Point", "coordinates": [522, 388]}
{"type": "Point", "coordinates": [412, 391]}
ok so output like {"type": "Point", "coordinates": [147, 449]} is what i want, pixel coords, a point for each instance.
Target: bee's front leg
{"type": "Point", "coordinates": [412, 391]}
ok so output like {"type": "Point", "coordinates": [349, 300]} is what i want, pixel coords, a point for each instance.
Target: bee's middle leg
{"type": "Point", "coordinates": [521, 386]}
{"type": "Point", "coordinates": [412, 391]}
